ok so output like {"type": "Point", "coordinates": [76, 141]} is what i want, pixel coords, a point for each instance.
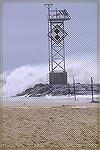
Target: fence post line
{"type": "Point", "coordinates": [68, 90]}
{"type": "Point", "coordinates": [92, 88]}
{"type": "Point", "coordinates": [74, 89]}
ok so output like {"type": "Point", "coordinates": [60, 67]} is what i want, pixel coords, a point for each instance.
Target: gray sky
{"type": "Point", "coordinates": [25, 33]}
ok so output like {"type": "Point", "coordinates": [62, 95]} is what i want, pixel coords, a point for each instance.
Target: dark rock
{"type": "Point", "coordinates": [56, 90]}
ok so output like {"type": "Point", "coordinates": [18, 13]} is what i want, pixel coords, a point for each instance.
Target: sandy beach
{"type": "Point", "coordinates": [52, 126]}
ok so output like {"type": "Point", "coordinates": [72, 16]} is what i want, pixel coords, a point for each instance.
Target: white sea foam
{"type": "Point", "coordinates": [24, 77]}
{"type": "Point", "coordinates": [47, 101]}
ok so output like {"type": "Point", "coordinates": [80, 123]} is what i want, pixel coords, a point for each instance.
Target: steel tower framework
{"type": "Point", "coordinates": [56, 35]}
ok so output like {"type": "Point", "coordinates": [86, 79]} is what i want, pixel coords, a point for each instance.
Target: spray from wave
{"type": "Point", "coordinates": [24, 77]}
{"type": "Point", "coordinates": [27, 76]}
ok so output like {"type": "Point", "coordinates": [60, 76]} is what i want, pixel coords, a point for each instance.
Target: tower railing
{"type": "Point", "coordinates": [59, 15]}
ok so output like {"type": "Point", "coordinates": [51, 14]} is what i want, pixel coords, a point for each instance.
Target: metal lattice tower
{"type": "Point", "coordinates": [56, 35]}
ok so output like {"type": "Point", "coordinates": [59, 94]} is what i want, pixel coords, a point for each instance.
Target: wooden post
{"type": "Point", "coordinates": [74, 89]}
{"type": "Point", "coordinates": [68, 90]}
{"type": "Point", "coordinates": [92, 89]}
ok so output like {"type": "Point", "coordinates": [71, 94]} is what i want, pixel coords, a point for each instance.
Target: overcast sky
{"type": "Point", "coordinates": [25, 33]}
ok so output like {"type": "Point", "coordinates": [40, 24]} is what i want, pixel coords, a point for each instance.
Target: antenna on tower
{"type": "Point", "coordinates": [48, 5]}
